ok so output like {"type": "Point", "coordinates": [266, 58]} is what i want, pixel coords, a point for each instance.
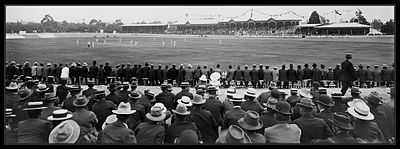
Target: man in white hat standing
{"type": "Point", "coordinates": [118, 132]}
{"type": "Point", "coordinates": [34, 130]}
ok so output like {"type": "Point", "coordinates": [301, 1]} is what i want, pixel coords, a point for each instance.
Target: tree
{"type": "Point", "coordinates": [359, 18]}
{"type": "Point", "coordinates": [118, 22]}
{"type": "Point", "coordinates": [48, 23]}
{"type": "Point", "coordinates": [93, 22]}
{"type": "Point", "coordinates": [314, 18]}
{"type": "Point", "coordinates": [377, 24]}
{"type": "Point", "coordinates": [388, 27]}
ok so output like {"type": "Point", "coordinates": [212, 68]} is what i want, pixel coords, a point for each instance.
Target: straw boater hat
{"type": "Point", "coordinates": [251, 121]}
{"type": "Point", "coordinates": [185, 84]}
{"type": "Point", "coordinates": [159, 104]}
{"type": "Point", "coordinates": [361, 111]}
{"type": "Point", "coordinates": [325, 100]}
{"type": "Point", "coordinates": [42, 88]}
{"type": "Point", "coordinates": [66, 132]}
{"type": "Point", "coordinates": [37, 105]}
{"type": "Point", "coordinates": [9, 113]}
{"type": "Point", "coordinates": [181, 109]}
{"type": "Point", "coordinates": [110, 119]}
{"type": "Point", "coordinates": [355, 100]}
{"type": "Point", "coordinates": [234, 135]}
{"type": "Point", "coordinates": [251, 92]}
{"type": "Point", "coordinates": [237, 98]}
{"type": "Point", "coordinates": [374, 98]}
{"type": "Point", "coordinates": [230, 92]}
{"type": "Point", "coordinates": [185, 100]}
{"type": "Point", "coordinates": [211, 89]}
{"type": "Point", "coordinates": [198, 100]}
{"type": "Point", "coordinates": [156, 114]}
{"type": "Point", "coordinates": [306, 103]}
{"type": "Point", "coordinates": [81, 101]}
{"type": "Point", "coordinates": [13, 86]}
{"type": "Point", "coordinates": [58, 115]}
{"type": "Point", "coordinates": [342, 120]}
{"type": "Point", "coordinates": [25, 93]}
{"type": "Point", "coordinates": [200, 91]}
{"type": "Point", "coordinates": [305, 93]}
{"type": "Point", "coordinates": [355, 90]}
{"type": "Point", "coordinates": [282, 107]}
{"type": "Point", "coordinates": [203, 78]}
{"type": "Point", "coordinates": [134, 95]}
{"type": "Point", "coordinates": [124, 108]}
{"type": "Point", "coordinates": [84, 64]}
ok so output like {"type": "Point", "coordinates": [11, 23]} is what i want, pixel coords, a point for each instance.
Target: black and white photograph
{"type": "Point", "coordinates": [199, 75]}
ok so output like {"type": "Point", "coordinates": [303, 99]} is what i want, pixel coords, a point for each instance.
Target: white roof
{"type": "Point", "coordinates": [308, 25]}
{"type": "Point", "coordinates": [344, 25]}
{"type": "Point", "coordinates": [144, 25]}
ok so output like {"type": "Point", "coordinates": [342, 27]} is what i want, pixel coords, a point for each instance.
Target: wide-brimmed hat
{"type": "Point", "coordinates": [124, 108]}
{"type": "Point", "coordinates": [66, 132]}
{"type": "Point", "coordinates": [374, 98]}
{"type": "Point", "coordinates": [211, 88]}
{"type": "Point", "coordinates": [282, 107]}
{"type": "Point", "coordinates": [251, 121]}
{"type": "Point", "coordinates": [275, 93]}
{"type": "Point", "coordinates": [159, 104]}
{"type": "Point", "coordinates": [323, 91]}
{"type": "Point", "coordinates": [156, 114]}
{"type": "Point", "coordinates": [42, 88]}
{"type": "Point", "coordinates": [9, 113]}
{"type": "Point", "coordinates": [60, 114]}
{"type": "Point", "coordinates": [13, 86]}
{"type": "Point", "coordinates": [305, 93]}
{"type": "Point", "coordinates": [84, 64]}
{"type": "Point", "coordinates": [230, 92]}
{"type": "Point", "coordinates": [25, 93]}
{"type": "Point", "coordinates": [185, 84]}
{"type": "Point", "coordinates": [234, 135]}
{"type": "Point", "coordinates": [80, 101]}
{"type": "Point", "coordinates": [293, 91]}
{"type": "Point", "coordinates": [36, 105]}
{"type": "Point", "coordinates": [185, 100]}
{"type": "Point", "coordinates": [361, 111]}
{"type": "Point", "coordinates": [181, 109]}
{"type": "Point", "coordinates": [271, 102]}
{"type": "Point", "coordinates": [251, 92]}
{"type": "Point", "coordinates": [355, 90]}
{"type": "Point", "coordinates": [198, 99]}
{"type": "Point", "coordinates": [352, 102]}
{"type": "Point", "coordinates": [200, 91]}
{"type": "Point", "coordinates": [134, 95]}
{"type": "Point", "coordinates": [237, 98]}
{"type": "Point", "coordinates": [110, 119]}
{"type": "Point", "coordinates": [325, 100]}
{"type": "Point", "coordinates": [342, 120]}
{"type": "Point", "coordinates": [306, 103]}
{"type": "Point", "coordinates": [203, 78]}
{"type": "Point", "coordinates": [75, 89]}
{"type": "Point", "coordinates": [348, 55]}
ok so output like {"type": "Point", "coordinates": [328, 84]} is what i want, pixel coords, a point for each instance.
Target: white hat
{"type": "Point", "coordinates": [124, 108]}
{"type": "Point", "coordinates": [37, 105]}
{"type": "Point", "coordinates": [230, 91]}
{"type": "Point", "coordinates": [159, 104]}
{"type": "Point", "coordinates": [12, 86]}
{"type": "Point", "coordinates": [61, 114]}
{"type": "Point", "coordinates": [361, 110]}
{"type": "Point", "coordinates": [181, 109]}
{"type": "Point", "coordinates": [237, 98]}
{"type": "Point", "coordinates": [84, 64]}
{"type": "Point", "coordinates": [352, 102]}
{"type": "Point", "coordinates": [156, 113]}
{"type": "Point", "coordinates": [110, 119]}
{"type": "Point", "coordinates": [198, 99]}
{"type": "Point", "coordinates": [305, 93]}
{"type": "Point", "coordinates": [185, 100]}
{"type": "Point", "coordinates": [42, 88]}
{"type": "Point", "coordinates": [251, 92]}
{"type": "Point", "coordinates": [66, 132]}
{"type": "Point", "coordinates": [203, 78]}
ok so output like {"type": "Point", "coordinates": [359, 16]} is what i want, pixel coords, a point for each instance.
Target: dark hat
{"type": "Point", "coordinates": [374, 98]}
{"type": "Point", "coordinates": [348, 55]}
{"type": "Point", "coordinates": [211, 88]}
{"type": "Point", "coordinates": [169, 87]}
{"type": "Point", "coordinates": [75, 89]}
{"type": "Point", "coordinates": [342, 120]}
{"type": "Point", "coordinates": [164, 86]}
{"type": "Point", "coordinates": [37, 105]}
{"type": "Point", "coordinates": [134, 95]}
{"type": "Point", "coordinates": [323, 91]}
{"type": "Point", "coordinates": [13, 86]}
{"type": "Point", "coordinates": [325, 100]}
{"type": "Point", "coordinates": [282, 107]}
{"type": "Point", "coordinates": [355, 90]}
{"type": "Point", "coordinates": [185, 84]}
{"type": "Point", "coordinates": [275, 93]}
{"type": "Point", "coordinates": [234, 135]}
{"type": "Point", "coordinates": [293, 91]}
{"type": "Point", "coordinates": [50, 99]}
{"type": "Point", "coordinates": [251, 121]}
{"type": "Point", "coordinates": [80, 101]}
{"type": "Point", "coordinates": [306, 103]}
{"type": "Point", "coordinates": [283, 93]}
{"type": "Point", "coordinates": [99, 94]}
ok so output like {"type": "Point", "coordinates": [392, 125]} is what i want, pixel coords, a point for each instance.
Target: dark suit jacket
{"type": "Point", "coordinates": [216, 108]}
{"type": "Point", "coordinates": [283, 75]}
{"type": "Point", "coordinates": [177, 128]}
{"type": "Point", "coordinates": [312, 128]}
{"type": "Point", "coordinates": [150, 133]}
{"type": "Point", "coordinates": [251, 105]}
{"type": "Point", "coordinates": [117, 133]}
{"type": "Point", "coordinates": [292, 75]}
{"type": "Point", "coordinates": [348, 72]}
{"type": "Point", "coordinates": [254, 75]}
{"type": "Point", "coordinates": [167, 99]}
{"type": "Point", "coordinates": [206, 123]}
{"type": "Point", "coordinates": [367, 130]}
{"type": "Point", "coordinates": [232, 116]}
{"type": "Point", "coordinates": [33, 131]}
{"type": "Point", "coordinates": [238, 75]}
{"type": "Point", "coordinates": [103, 109]}
{"type": "Point", "coordinates": [308, 73]}
{"type": "Point", "coordinates": [316, 74]}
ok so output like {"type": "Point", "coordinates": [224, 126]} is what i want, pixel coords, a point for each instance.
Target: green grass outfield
{"type": "Point", "coordinates": [210, 50]}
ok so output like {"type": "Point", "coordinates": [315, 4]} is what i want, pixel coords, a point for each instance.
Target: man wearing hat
{"type": "Point", "coordinates": [58, 116]}
{"type": "Point", "coordinates": [181, 75]}
{"type": "Point", "coordinates": [118, 132]}
{"type": "Point", "coordinates": [260, 72]}
{"type": "Point", "coordinates": [189, 75]}
{"type": "Point", "coordinates": [83, 73]}
{"type": "Point", "coordinates": [251, 123]}
{"type": "Point", "coordinates": [375, 102]}
{"type": "Point", "coordinates": [348, 73]}
{"type": "Point", "coordinates": [152, 131]}
{"type": "Point", "coordinates": [343, 126]}
{"type": "Point", "coordinates": [90, 91]}
{"type": "Point", "coordinates": [267, 116]}
{"type": "Point", "coordinates": [86, 119]}
{"type": "Point", "coordinates": [238, 76]}
{"type": "Point", "coordinates": [140, 115]}
{"type": "Point", "coordinates": [59, 136]}
{"type": "Point", "coordinates": [49, 103]}
{"type": "Point", "coordinates": [124, 92]}
{"type": "Point", "coordinates": [254, 76]}
{"type": "Point", "coordinates": [172, 74]}
{"type": "Point", "coordinates": [365, 127]}
{"type": "Point", "coordinates": [292, 75]}
{"type": "Point", "coordinates": [233, 135]}
{"type": "Point", "coordinates": [233, 115]}
{"type": "Point", "coordinates": [377, 76]}
{"type": "Point", "coordinates": [165, 97]}
{"type": "Point", "coordinates": [185, 92]}
{"type": "Point", "coordinates": [311, 127]}
{"type": "Point", "coordinates": [102, 107]}
{"type": "Point", "coordinates": [68, 103]}
{"type": "Point", "coordinates": [33, 130]}
{"type": "Point", "coordinates": [324, 109]}
{"type": "Point", "coordinates": [180, 124]}
{"type": "Point", "coordinates": [293, 99]}
{"type": "Point", "coordinates": [204, 120]}
{"type": "Point", "coordinates": [251, 103]}
{"type": "Point", "coordinates": [11, 95]}
{"type": "Point", "coordinates": [386, 75]}
{"type": "Point", "coordinates": [62, 92]}
{"type": "Point", "coordinates": [267, 76]}
{"type": "Point", "coordinates": [389, 128]}
{"type": "Point", "coordinates": [282, 131]}
{"type": "Point", "coordinates": [10, 127]}
{"type": "Point", "coordinates": [361, 75]}
{"type": "Point", "coordinates": [11, 70]}
{"type": "Point", "coordinates": [114, 95]}
{"type": "Point", "coordinates": [214, 105]}
{"type": "Point", "coordinates": [230, 92]}
{"type": "Point", "coordinates": [283, 78]}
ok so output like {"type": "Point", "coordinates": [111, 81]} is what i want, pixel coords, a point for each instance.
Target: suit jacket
{"type": "Point", "coordinates": [337, 74]}
{"type": "Point", "coordinates": [246, 75]}
{"type": "Point", "coordinates": [177, 128]}
{"type": "Point", "coordinates": [229, 75]}
{"type": "Point", "coordinates": [283, 75]}
{"type": "Point", "coordinates": [387, 75]}
{"type": "Point", "coordinates": [260, 74]}
{"type": "Point", "coordinates": [377, 75]}
{"type": "Point", "coordinates": [370, 75]}
{"type": "Point", "coordinates": [86, 119]}
{"type": "Point", "coordinates": [283, 133]}
{"type": "Point", "coordinates": [316, 74]}
{"type": "Point", "coordinates": [348, 72]}
{"type": "Point", "coordinates": [188, 74]}
{"type": "Point", "coordinates": [150, 133]}
{"type": "Point", "coordinates": [197, 73]}
{"type": "Point", "coordinates": [343, 138]}
{"type": "Point", "coordinates": [167, 99]}
{"type": "Point", "coordinates": [179, 96]}
{"type": "Point", "coordinates": [181, 75]}
{"type": "Point", "coordinates": [312, 128]}
{"type": "Point", "coordinates": [268, 75]}
{"type": "Point", "coordinates": [268, 119]}
{"type": "Point", "coordinates": [232, 116]}
{"type": "Point", "coordinates": [206, 123]}
{"type": "Point", "coordinates": [238, 75]}
{"type": "Point", "coordinates": [256, 138]}
{"type": "Point", "coordinates": [292, 75]}
{"type": "Point", "coordinates": [254, 75]}
{"type": "Point", "coordinates": [102, 109]}
{"type": "Point", "coordinates": [386, 119]}
{"type": "Point", "coordinates": [367, 130]}
{"type": "Point", "coordinates": [33, 131]}
{"type": "Point", "coordinates": [117, 133]}
{"type": "Point", "coordinates": [252, 105]}
{"type": "Point", "coordinates": [327, 116]}
{"type": "Point", "coordinates": [216, 108]}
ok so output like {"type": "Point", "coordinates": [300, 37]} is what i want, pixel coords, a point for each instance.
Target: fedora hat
{"type": "Point", "coordinates": [169, 87]}
{"type": "Point", "coordinates": [185, 100]}
{"type": "Point", "coordinates": [66, 132]}
{"type": "Point", "coordinates": [282, 107]}
{"type": "Point", "coordinates": [13, 86]}
{"type": "Point", "coordinates": [374, 98]}
{"type": "Point", "coordinates": [200, 91]}
{"type": "Point", "coordinates": [325, 101]}
{"type": "Point", "coordinates": [230, 91]}
{"type": "Point", "coordinates": [342, 120]}
{"type": "Point", "coordinates": [352, 102]}
{"type": "Point", "coordinates": [203, 78]}
{"type": "Point", "coordinates": [163, 86]}
{"type": "Point", "coordinates": [323, 91]}
{"type": "Point", "coordinates": [61, 114]}
{"type": "Point", "coordinates": [237, 98]}
{"type": "Point", "coordinates": [42, 88]}
{"type": "Point", "coordinates": [134, 95]}
{"type": "Point", "coordinates": [234, 135]}
{"type": "Point", "coordinates": [159, 104]}
{"type": "Point", "coordinates": [156, 114]}
{"type": "Point", "coordinates": [36, 105]}
{"type": "Point", "coordinates": [81, 101]}
{"type": "Point", "coordinates": [110, 119]}
{"type": "Point", "coordinates": [348, 55]}
{"type": "Point", "coordinates": [124, 108]}
{"type": "Point", "coordinates": [361, 111]}
{"type": "Point", "coordinates": [9, 113]}
{"type": "Point", "coordinates": [185, 84]}
{"type": "Point", "coordinates": [275, 93]}
{"type": "Point", "coordinates": [306, 103]}
{"type": "Point", "coordinates": [181, 109]}
{"type": "Point", "coordinates": [305, 93]}
{"type": "Point", "coordinates": [293, 91]}
{"type": "Point", "coordinates": [198, 99]}
{"type": "Point", "coordinates": [355, 90]}
{"type": "Point", "coordinates": [271, 102]}
{"type": "Point", "coordinates": [251, 92]}
{"type": "Point", "coordinates": [251, 121]}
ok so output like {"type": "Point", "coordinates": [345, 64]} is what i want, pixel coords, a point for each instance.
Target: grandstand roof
{"type": "Point", "coordinates": [144, 25]}
{"type": "Point", "coordinates": [344, 25]}
{"type": "Point", "coordinates": [308, 25]}
{"type": "Point", "coordinates": [288, 16]}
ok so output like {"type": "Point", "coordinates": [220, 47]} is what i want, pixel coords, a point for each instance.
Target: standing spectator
{"type": "Point", "coordinates": [107, 71]}
{"type": "Point", "coordinates": [34, 130]}
{"type": "Point", "coordinates": [197, 74]}
{"type": "Point", "coordinates": [348, 74]}
{"type": "Point", "coordinates": [254, 76]}
{"type": "Point", "coordinates": [165, 74]}
{"type": "Point", "coordinates": [229, 75]}
{"type": "Point", "coordinates": [324, 73]}
{"type": "Point", "coordinates": [35, 69]}
{"type": "Point", "coordinates": [180, 124]}
{"type": "Point", "coordinates": [73, 72]}
{"type": "Point", "coordinates": [300, 75]}
{"type": "Point", "coordinates": [153, 130]}
{"type": "Point", "coordinates": [324, 109]}
{"type": "Point", "coordinates": [267, 116]}
{"type": "Point", "coordinates": [238, 76]}
{"type": "Point", "coordinates": [65, 73]}
{"type": "Point", "coordinates": [84, 73]}
{"type": "Point", "coordinates": [251, 103]}
{"type": "Point", "coordinates": [275, 76]}
{"type": "Point", "coordinates": [260, 76]}
{"type": "Point", "coordinates": [139, 73]}
{"type": "Point", "coordinates": [93, 70]}
{"type": "Point", "coordinates": [128, 74]}
{"type": "Point", "coordinates": [246, 75]}
{"type": "Point", "coordinates": [330, 75]}
{"type": "Point", "coordinates": [267, 76]}
{"type": "Point", "coordinates": [233, 115]}
{"type": "Point", "coordinates": [58, 72]}
{"type": "Point", "coordinates": [62, 92]}
{"type": "Point", "coordinates": [283, 78]}
{"type": "Point", "coordinates": [389, 127]}
{"type": "Point", "coordinates": [308, 74]}
{"type": "Point", "coordinates": [204, 120]}
{"type": "Point", "coordinates": [316, 74]}
{"type": "Point", "coordinates": [102, 108]}
{"type": "Point", "coordinates": [185, 92]}
{"type": "Point", "coordinates": [386, 75]}
{"type": "Point", "coordinates": [214, 105]}
{"type": "Point", "coordinates": [151, 75]}
{"type": "Point", "coordinates": [40, 71]}
{"type": "Point", "coordinates": [68, 103]}
{"type": "Point", "coordinates": [292, 75]}
{"type": "Point", "coordinates": [86, 119]}
{"type": "Point", "coordinates": [251, 123]}
{"type": "Point", "coordinates": [362, 75]}
{"type": "Point", "coordinates": [11, 70]}
{"type": "Point", "coordinates": [181, 75]}
{"type": "Point", "coordinates": [159, 73]}
{"type": "Point", "coordinates": [370, 77]}
{"type": "Point", "coordinates": [172, 74]}
{"type": "Point", "coordinates": [166, 98]}
{"type": "Point", "coordinates": [27, 69]}
{"type": "Point", "coordinates": [377, 76]}
{"type": "Point", "coordinates": [337, 75]}
{"type": "Point", "coordinates": [189, 75]}
{"type": "Point", "coordinates": [100, 75]}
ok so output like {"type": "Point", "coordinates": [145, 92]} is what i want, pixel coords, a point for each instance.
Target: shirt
{"type": "Point", "coordinates": [64, 73]}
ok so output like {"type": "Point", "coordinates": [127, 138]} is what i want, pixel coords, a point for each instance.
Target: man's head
{"type": "Point", "coordinates": [266, 67]}
{"type": "Point", "coordinates": [305, 65]}
{"type": "Point", "coordinates": [94, 63]}
{"type": "Point", "coordinates": [348, 56]}
{"type": "Point", "coordinates": [230, 66]}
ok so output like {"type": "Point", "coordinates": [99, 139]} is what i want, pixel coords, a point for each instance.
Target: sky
{"type": "Point", "coordinates": [132, 14]}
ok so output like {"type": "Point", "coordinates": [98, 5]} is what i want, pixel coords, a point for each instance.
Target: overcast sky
{"type": "Point", "coordinates": [130, 14]}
